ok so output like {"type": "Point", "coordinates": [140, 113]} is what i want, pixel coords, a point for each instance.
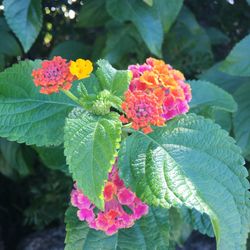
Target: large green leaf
{"type": "Point", "coordinates": [2, 62]}
{"type": "Point", "coordinates": [9, 45]}
{"type": "Point", "coordinates": [167, 11]}
{"type": "Point", "coordinates": [53, 157]}
{"type": "Point", "coordinates": [13, 159]}
{"type": "Point", "coordinates": [150, 232]}
{"type": "Point", "coordinates": [122, 40]}
{"type": "Point", "coordinates": [25, 19]}
{"type": "Point", "coordinates": [143, 17]}
{"type": "Point", "coordinates": [90, 148]}
{"type": "Point", "coordinates": [25, 114]}
{"type": "Point", "coordinates": [223, 118]}
{"type": "Point", "coordinates": [148, 2]}
{"type": "Point", "coordinates": [190, 55]}
{"type": "Point", "coordinates": [228, 82]}
{"type": "Point", "coordinates": [191, 162]}
{"type": "Point", "coordinates": [206, 94]}
{"type": "Point", "coordinates": [92, 14]}
{"type": "Point", "coordinates": [237, 62]}
{"type": "Point", "coordinates": [241, 119]}
{"type": "Point", "coordinates": [216, 36]}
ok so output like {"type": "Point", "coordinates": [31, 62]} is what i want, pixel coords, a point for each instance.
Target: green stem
{"type": "Point", "coordinates": [71, 96]}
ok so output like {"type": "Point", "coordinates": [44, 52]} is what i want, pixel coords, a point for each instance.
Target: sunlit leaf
{"type": "Point", "coordinates": [191, 162]}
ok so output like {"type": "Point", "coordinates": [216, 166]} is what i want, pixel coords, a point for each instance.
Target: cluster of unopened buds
{"type": "Point", "coordinates": [157, 93]}
{"type": "Point", "coordinates": [121, 209]}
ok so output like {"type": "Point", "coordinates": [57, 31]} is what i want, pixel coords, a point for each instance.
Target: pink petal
{"type": "Point", "coordinates": [86, 214]}
{"type": "Point", "coordinates": [125, 196]}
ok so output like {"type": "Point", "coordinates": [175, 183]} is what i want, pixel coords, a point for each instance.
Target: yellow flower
{"type": "Point", "coordinates": [81, 68]}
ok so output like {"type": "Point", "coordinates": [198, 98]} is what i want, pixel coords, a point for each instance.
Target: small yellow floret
{"type": "Point", "coordinates": [81, 68]}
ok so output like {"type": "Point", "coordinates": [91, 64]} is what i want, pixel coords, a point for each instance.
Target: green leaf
{"type": "Point", "coordinates": [25, 114]}
{"type": "Point", "coordinates": [92, 14]}
{"type": "Point", "coordinates": [167, 11]}
{"type": "Point", "coordinates": [191, 162]}
{"type": "Point", "coordinates": [91, 84]}
{"type": "Point", "coordinates": [224, 119]}
{"type": "Point", "coordinates": [143, 17]}
{"type": "Point", "coordinates": [124, 45]}
{"type": "Point", "coordinates": [116, 81]}
{"type": "Point", "coordinates": [13, 162]}
{"type": "Point", "coordinates": [71, 50]}
{"type": "Point", "coordinates": [121, 82]}
{"type": "Point", "coordinates": [53, 157]}
{"type": "Point", "coordinates": [191, 55]}
{"type": "Point", "coordinates": [241, 119]}
{"type": "Point", "coordinates": [228, 82]}
{"type": "Point", "coordinates": [198, 221]}
{"type": "Point", "coordinates": [149, 2]}
{"type": "Point", "coordinates": [121, 40]}
{"type": "Point", "coordinates": [217, 37]}
{"type": "Point", "coordinates": [25, 19]}
{"type": "Point", "coordinates": [237, 62]}
{"type": "Point", "coordinates": [9, 45]}
{"type": "Point", "coordinates": [2, 62]}
{"type": "Point", "coordinates": [179, 229]}
{"type": "Point", "coordinates": [150, 232]}
{"type": "Point", "coordinates": [206, 94]}
{"type": "Point", "coordinates": [90, 148]}
{"type": "Point", "coordinates": [105, 73]}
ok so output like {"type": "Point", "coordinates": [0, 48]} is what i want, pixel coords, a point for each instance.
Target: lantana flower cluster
{"type": "Point", "coordinates": [157, 93]}
{"type": "Point", "coordinates": [58, 74]}
{"type": "Point", "coordinates": [122, 208]}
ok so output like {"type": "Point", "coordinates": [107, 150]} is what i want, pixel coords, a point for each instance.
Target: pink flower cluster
{"type": "Point", "coordinates": [162, 85]}
{"type": "Point", "coordinates": [117, 199]}
{"type": "Point", "coordinates": [166, 82]}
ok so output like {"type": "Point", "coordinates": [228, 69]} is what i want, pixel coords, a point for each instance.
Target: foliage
{"type": "Point", "coordinates": [22, 107]}
{"type": "Point", "coordinates": [168, 166]}
{"type": "Point", "coordinates": [90, 147]}
{"type": "Point", "coordinates": [9, 46]}
{"type": "Point", "coordinates": [237, 62]}
{"type": "Point", "coordinates": [16, 160]}
{"type": "Point", "coordinates": [190, 171]}
{"type": "Point", "coordinates": [241, 119]}
{"type": "Point", "coordinates": [138, 237]}
{"type": "Point", "coordinates": [25, 19]}
{"type": "Point", "coordinates": [188, 55]}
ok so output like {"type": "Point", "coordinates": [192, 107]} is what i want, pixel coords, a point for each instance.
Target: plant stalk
{"type": "Point", "coordinates": [71, 96]}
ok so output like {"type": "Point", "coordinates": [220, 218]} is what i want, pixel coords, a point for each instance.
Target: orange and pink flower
{"type": "Point", "coordinates": [53, 76]}
{"type": "Point", "coordinates": [142, 109]}
{"type": "Point", "coordinates": [156, 93]}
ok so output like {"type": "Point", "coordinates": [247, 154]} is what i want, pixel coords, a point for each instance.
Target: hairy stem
{"type": "Point", "coordinates": [71, 96]}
